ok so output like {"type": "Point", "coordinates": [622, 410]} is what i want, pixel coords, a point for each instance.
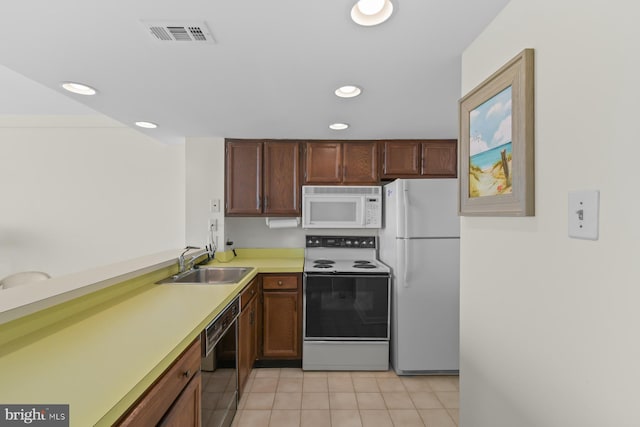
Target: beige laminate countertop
{"type": "Point", "coordinates": [101, 362]}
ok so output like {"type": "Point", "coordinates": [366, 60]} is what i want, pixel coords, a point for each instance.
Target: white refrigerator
{"type": "Point", "coordinates": [420, 241]}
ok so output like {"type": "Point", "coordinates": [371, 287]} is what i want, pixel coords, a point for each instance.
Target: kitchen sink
{"type": "Point", "coordinates": [209, 276]}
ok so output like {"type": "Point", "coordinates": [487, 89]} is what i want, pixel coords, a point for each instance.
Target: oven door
{"type": "Point", "coordinates": [346, 307]}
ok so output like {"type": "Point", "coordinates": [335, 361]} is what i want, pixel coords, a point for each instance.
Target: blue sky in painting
{"type": "Point", "coordinates": [490, 123]}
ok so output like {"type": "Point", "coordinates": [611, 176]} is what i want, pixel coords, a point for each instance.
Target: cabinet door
{"type": "Point", "coordinates": [280, 325]}
{"type": "Point", "coordinates": [159, 398]}
{"type": "Point", "coordinates": [359, 163]}
{"type": "Point", "coordinates": [185, 411]}
{"type": "Point", "coordinates": [281, 178]}
{"type": "Point", "coordinates": [323, 163]}
{"type": "Point", "coordinates": [243, 192]}
{"type": "Point", "coordinates": [439, 158]}
{"type": "Point", "coordinates": [253, 350]}
{"type": "Point", "coordinates": [400, 159]}
{"type": "Point", "coordinates": [247, 342]}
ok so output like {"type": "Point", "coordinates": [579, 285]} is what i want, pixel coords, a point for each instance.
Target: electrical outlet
{"type": "Point", "coordinates": [215, 205]}
{"type": "Point", "coordinates": [583, 214]}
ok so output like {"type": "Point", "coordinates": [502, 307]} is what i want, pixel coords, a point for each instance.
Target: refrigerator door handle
{"type": "Point", "coordinates": [405, 273]}
{"type": "Point", "coordinates": [405, 210]}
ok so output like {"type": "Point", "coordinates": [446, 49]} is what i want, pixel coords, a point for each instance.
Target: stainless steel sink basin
{"type": "Point", "coordinates": [210, 276]}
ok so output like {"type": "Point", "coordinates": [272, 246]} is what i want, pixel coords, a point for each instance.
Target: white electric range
{"type": "Point", "coordinates": [346, 305]}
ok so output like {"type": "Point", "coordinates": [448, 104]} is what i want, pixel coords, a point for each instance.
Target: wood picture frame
{"type": "Point", "coordinates": [496, 154]}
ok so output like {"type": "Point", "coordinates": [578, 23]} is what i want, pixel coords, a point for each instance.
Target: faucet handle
{"type": "Point", "coordinates": [181, 257]}
{"type": "Point", "coordinates": [187, 249]}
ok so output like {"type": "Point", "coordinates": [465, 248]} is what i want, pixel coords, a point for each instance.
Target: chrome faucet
{"type": "Point", "coordinates": [181, 264]}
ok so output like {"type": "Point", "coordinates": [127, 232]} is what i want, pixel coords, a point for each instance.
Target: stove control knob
{"type": "Point", "coordinates": [317, 242]}
{"type": "Point", "coordinates": [356, 243]}
{"type": "Point", "coordinates": [348, 242]}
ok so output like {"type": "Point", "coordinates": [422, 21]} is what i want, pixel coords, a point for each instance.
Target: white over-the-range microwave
{"type": "Point", "coordinates": [341, 206]}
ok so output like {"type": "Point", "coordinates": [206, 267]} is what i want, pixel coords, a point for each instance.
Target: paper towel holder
{"type": "Point", "coordinates": [282, 222]}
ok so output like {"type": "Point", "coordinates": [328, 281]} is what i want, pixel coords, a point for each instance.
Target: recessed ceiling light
{"type": "Point", "coordinates": [146, 125]}
{"type": "Point", "coordinates": [78, 88]}
{"type": "Point", "coordinates": [348, 91]}
{"type": "Point", "coordinates": [371, 12]}
{"type": "Point", "coordinates": [338, 126]}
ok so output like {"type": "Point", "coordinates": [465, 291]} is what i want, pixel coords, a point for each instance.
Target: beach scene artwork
{"type": "Point", "coordinates": [490, 146]}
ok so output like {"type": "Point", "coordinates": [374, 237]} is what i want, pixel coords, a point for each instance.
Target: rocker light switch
{"type": "Point", "coordinates": [583, 214]}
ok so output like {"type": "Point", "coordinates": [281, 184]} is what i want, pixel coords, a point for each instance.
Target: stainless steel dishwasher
{"type": "Point", "coordinates": [220, 368]}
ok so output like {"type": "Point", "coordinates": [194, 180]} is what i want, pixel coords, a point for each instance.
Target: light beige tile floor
{"type": "Point", "coordinates": [292, 397]}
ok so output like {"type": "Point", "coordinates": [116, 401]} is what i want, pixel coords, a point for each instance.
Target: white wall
{"type": "Point", "coordinates": [254, 233]}
{"type": "Point", "coordinates": [549, 325]}
{"type": "Point", "coordinates": [205, 182]}
{"type": "Point", "coordinates": [82, 191]}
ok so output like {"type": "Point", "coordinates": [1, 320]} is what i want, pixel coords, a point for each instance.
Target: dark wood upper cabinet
{"type": "Point", "coordinates": [440, 158]}
{"type": "Point", "coordinates": [360, 163]}
{"type": "Point", "coordinates": [419, 158]}
{"type": "Point", "coordinates": [334, 162]}
{"type": "Point", "coordinates": [323, 162]}
{"type": "Point", "coordinates": [281, 178]}
{"type": "Point", "coordinates": [262, 178]}
{"type": "Point", "coordinates": [243, 170]}
{"type": "Point", "coordinates": [400, 159]}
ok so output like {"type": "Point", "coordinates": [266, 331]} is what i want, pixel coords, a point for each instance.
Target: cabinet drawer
{"type": "Point", "coordinates": [249, 292]}
{"type": "Point", "coordinates": [279, 282]}
{"type": "Point", "coordinates": [161, 395]}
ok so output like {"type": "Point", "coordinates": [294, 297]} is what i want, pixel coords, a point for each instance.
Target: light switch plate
{"type": "Point", "coordinates": [214, 205]}
{"type": "Point", "coordinates": [583, 214]}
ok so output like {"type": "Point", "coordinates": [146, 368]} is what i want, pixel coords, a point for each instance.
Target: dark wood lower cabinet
{"type": "Point", "coordinates": [280, 325]}
{"type": "Point", "coordinates": [186, 410]}
{"type": "Point", "coordinates": [247, 335]}
{"type": "Point", "coordinates": [174, 399]}
{"type": "Point", "coordinates": [281, 316]}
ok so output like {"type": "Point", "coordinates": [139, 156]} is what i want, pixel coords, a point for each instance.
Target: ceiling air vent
{"type": "Point", "coordinates": [171, 31]}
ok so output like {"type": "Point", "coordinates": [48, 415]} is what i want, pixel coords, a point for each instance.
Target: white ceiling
{"type": "Point", "coordinates": [270, 74]}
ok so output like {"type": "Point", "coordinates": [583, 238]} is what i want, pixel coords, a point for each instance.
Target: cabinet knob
{"type": "Point", "coordinates": [186, 373]}
{"type": "Point", "coordinates": [279, 282]}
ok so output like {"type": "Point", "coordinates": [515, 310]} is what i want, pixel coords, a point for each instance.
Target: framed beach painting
{"type": "Point", "coordinates": [496, 143]}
